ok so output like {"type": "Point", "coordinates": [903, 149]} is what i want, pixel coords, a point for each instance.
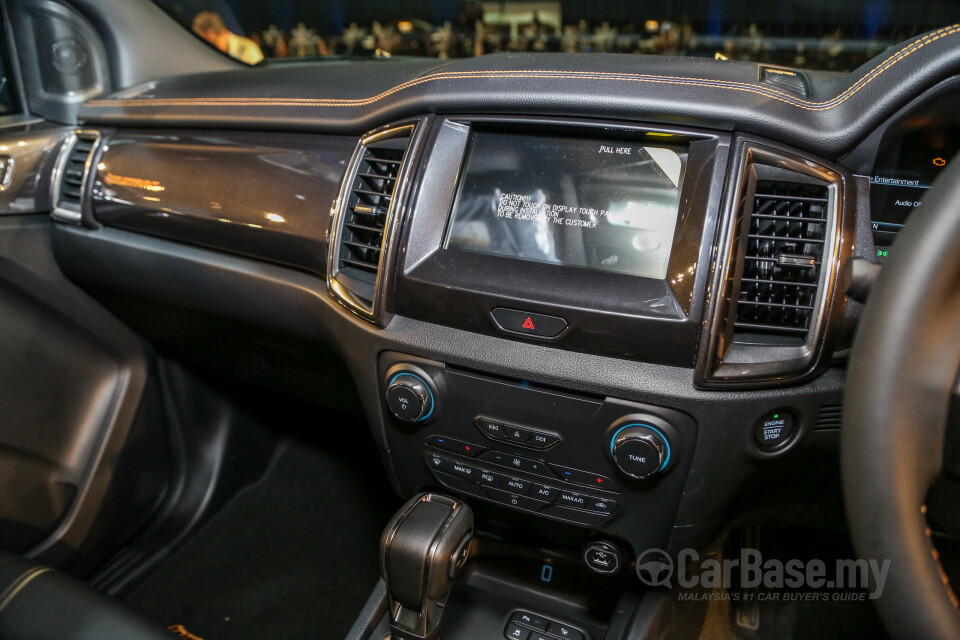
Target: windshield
{"type": "Point", "coordinates": [835, 35]}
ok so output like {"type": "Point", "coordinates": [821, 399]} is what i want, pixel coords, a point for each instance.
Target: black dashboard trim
{"type": "Point", "coordinates": [722, 95]}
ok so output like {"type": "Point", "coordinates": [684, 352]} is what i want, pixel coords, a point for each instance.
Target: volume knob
{"type": "Point", "coordinates": [639, 450]}
{"type": "Point", "coordinates": [409, 398]}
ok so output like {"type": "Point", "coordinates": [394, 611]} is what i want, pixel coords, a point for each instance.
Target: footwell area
{"type": "Point", "coordinates": [293, 556]}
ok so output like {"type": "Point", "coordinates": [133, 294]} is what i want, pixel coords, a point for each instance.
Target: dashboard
{"type": "Point", "coordinates": [589, 296]}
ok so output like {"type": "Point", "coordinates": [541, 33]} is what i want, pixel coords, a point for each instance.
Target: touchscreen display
{"type": "Point", "coordinates": [581, 202]}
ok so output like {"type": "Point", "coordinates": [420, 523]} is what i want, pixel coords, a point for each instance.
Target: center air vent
{"type": "Point", "coordinates": [73, 170]}
{"type": "Point", "coordinates": [362, 227]}
{"type": "Point", "coordinates": [783, 258]}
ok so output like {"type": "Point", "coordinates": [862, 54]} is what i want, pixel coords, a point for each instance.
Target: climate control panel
{"type": "Point", "coordinates": [598, 463]}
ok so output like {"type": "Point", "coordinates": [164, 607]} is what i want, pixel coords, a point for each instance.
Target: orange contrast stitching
{"type": "Point", "coordinates": [546, 74]}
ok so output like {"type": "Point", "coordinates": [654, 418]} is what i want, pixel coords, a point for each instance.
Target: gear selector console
{"type": "Point", "coordinates": [420, 551]}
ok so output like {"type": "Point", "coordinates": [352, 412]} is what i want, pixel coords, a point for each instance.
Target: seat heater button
{"type": "Point", "coordinates": [515, 632]}
{"type": "Point", "coordinates": [561, 630]}
{"type": "Point", "coordinates": [530, 620]}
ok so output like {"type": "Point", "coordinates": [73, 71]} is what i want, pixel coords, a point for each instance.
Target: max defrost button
{"type": "Point", "coordinates": [533, 324]}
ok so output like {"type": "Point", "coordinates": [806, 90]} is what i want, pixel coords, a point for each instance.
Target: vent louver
{"type": "Point", "coordinates": [362, 228]}
{"type": "Point", "coordinates": [830, 416]}
{"type": "Point", "coordinates": [783, 257]}
{"type": "Point", "coordinates": [774, 298]}
{"type": "Point", "coordinates": [73, 174]}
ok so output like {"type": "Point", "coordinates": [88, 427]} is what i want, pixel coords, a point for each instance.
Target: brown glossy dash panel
{"type": "Point", "coordinates": [262, 195]}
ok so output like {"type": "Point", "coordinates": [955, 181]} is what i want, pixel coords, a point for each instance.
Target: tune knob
{"type": "Point", "coordinates": [409, 397]}
{"type": "Point", "coordinates": [640, 450]}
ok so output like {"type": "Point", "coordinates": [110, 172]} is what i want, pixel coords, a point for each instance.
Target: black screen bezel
{"type": "Point", "coordinates": [608, 312]}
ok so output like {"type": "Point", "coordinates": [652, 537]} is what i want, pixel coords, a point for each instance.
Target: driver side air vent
{"type": "Point", "coordinates": [73, 169]}
{"type": "Point", "coordinates": [773, 284]}
{"type": "Point", "coordinates": [363, 223]}
{"type": "Point", "coordinates": [783, 257]}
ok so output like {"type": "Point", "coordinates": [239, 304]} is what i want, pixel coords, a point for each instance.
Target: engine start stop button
{"type": "Point", "coordinates": [774, 428]}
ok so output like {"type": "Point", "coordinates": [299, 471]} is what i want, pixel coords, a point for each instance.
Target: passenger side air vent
{"type": "Point", "coordinates": [772, 291]}
{"type": "Point", "coordinates": [363, 224]}
{"type": "Point", "coordinates": [783, 257]}
{"type": "Point", "coordinates": [73, 169]}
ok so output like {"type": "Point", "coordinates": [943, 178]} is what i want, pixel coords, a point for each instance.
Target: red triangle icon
{"type": "Point", "coordinates": [528, 323]}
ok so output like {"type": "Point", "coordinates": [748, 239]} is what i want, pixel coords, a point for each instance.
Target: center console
{"type": "Point", "coordinates": [705, 252]}
{"type": "Point", "coordinates": [554, 458]}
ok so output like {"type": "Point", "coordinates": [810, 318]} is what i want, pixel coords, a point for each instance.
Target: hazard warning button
{"type": "Point", "coordinates": [527, 323]}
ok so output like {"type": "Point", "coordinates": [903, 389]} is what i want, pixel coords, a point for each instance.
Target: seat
{"type": "Point", "coordinates": [39, 603]}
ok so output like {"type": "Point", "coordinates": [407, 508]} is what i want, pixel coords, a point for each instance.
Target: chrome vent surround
{"type": "Point", "coordinates": [73, 170]}
{"type": "Point", "coordinates": [777, 262]}
{"type": "Point", "coordinates": [363, 219]}
{"type": "Point", "coordinates": [783, 258]}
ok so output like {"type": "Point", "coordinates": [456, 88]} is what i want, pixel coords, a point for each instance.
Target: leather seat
{"type": "Point", "coordinates": [38, 603]}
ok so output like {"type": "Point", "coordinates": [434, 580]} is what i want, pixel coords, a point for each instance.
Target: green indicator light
{"type": "Point", "coordinates": [776, 415]}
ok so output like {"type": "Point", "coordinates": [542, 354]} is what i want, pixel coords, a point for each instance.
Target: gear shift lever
{"type": "Point", "coordinates": [420, 550]}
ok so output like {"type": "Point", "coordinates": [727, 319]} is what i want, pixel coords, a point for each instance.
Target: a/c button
{"type": "Point", "coordinates": [524, 322]}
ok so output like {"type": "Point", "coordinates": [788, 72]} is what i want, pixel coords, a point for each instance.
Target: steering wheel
{"type": "Point", "coordinates": [899, 434]}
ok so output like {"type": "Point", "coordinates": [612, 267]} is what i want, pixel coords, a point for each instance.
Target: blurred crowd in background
{"type": "Point", "coordinates": [538, 26]}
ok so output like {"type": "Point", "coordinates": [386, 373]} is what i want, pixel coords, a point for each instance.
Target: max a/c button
{"type": "Point", "coordinates": [524, 322]}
